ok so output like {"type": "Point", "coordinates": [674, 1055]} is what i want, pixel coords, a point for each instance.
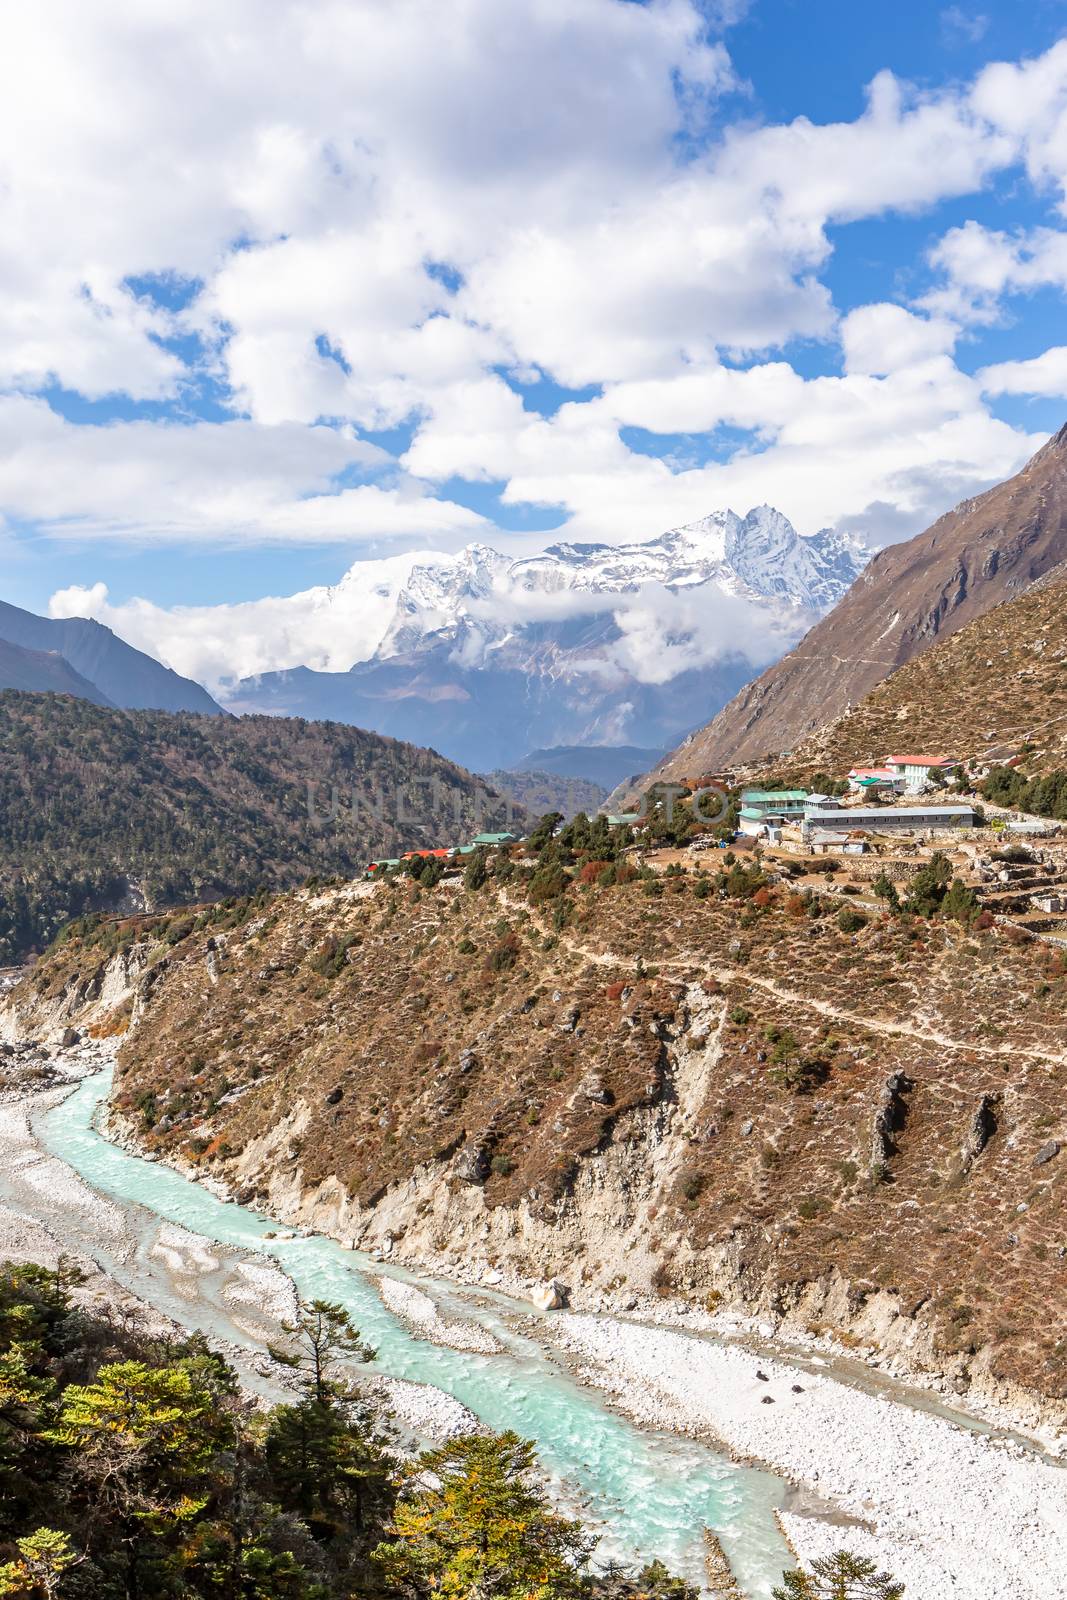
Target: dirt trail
{"type": "Point", "coordinates": [693, 960]}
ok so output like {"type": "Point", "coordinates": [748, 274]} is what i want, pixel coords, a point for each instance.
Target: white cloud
{"type": "Point", "coordinates": [222, 482]}
{"type": "Point", "coordinates": [968, 27]}
{"type": "Point", "coordinates": [981, 265]}
{"type": "Point", "coordinates": [878, 339]}
{"type": "Point", "coordinates": [1044, 375]}
{"type": "Point", "coordinates": [375, 209]}
{"type": "Point", "coordinates": [824, 450]}
{"type": "Point", "coordinates": [327, 628]}
{"type": "Point", "coordinates": [1027, 102]}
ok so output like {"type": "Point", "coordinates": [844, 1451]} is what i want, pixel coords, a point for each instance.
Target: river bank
{"type": "Point", "coordinates": [955, 1515]}
{"type": "Point", "coordinates": [952, 1513]}
{"type": "Point", "coordinates": [185, 1281]}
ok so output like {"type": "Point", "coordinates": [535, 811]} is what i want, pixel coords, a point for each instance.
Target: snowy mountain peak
{"type": "Point", "coordinates": [759, 557]}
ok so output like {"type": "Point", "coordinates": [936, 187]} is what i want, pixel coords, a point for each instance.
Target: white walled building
{"type": "Point", "coordinates": [914, 771]}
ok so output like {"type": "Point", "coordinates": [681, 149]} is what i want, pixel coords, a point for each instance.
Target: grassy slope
{"type": "Point", "coordinates": [1001, 681]}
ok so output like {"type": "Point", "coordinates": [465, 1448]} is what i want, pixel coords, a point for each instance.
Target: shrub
{"type": "Point", "coordinates": [593, 870]}
{"type": "Point", "coordinates": [504, 954]}
{"type": "Point", "coordinates": [849, 920]}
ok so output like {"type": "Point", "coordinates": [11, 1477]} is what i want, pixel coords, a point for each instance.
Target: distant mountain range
{"type": "Point", "coordinates": [482, 656]}
{"type": "Point", "coordinates": [606, 765]}
{"type": "Point", "coordinates": [44, 671]}
{"type": "Point", "coordinates": [80, 657]}
{"type": "Point", "coordinates": [909, 597]}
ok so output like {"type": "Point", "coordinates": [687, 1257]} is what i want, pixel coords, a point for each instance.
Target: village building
{"type": "Point", "coordinates": [774, 804]}
{"type": "Point", "coordinates": [914, 772]}
{"type": "Point", "coordinates": [887, 819]}
{"type": "Point", "coordinates": [829, 842]}
{"type": "Point", "coordinates": [875, 782]}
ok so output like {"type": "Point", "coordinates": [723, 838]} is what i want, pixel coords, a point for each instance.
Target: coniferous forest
{"type": "Point", "coordinates": [121, 810]}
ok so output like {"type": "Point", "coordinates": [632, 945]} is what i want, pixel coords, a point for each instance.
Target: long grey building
{"type": "Point", "coordinates": [887, 819]}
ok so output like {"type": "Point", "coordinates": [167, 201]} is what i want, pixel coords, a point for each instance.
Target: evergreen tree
{"type": "Point", "coordinates": [960, 903]}
{"type": "Point", "coordinates": [886, 890]}
{"type": "Point", "coordinates": [929, 885]}
{"type": "Point", "coordinates": [470, 1521]}
{"type": "Point", "coordinates": [322, 1335]}
{"type": "Point", "coordinates": [841, 1576]}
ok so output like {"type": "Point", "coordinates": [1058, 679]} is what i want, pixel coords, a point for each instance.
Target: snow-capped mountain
{"type": "Point", "coordinates": [485, 656]}
{"type": "Point", "coordinates": [760, 557]}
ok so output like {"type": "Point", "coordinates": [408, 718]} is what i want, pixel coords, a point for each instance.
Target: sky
{"type": "Point", "coordinates": [286, 284]}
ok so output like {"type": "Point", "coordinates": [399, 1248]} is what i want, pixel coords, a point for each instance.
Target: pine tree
{"type": "Point", "coordinates": [842, 1576]}
{"type": "Point", "coordinates": [960, 903]}
{"type": "Point", "coordinates": [472, 1522]}
{"type": "Point", "coordinates": [886, 889]}
{"type": "Point", "coordinates": [322, 1334]}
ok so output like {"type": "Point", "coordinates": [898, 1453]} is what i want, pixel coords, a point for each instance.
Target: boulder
{"type": "Point", "coordinates": [473, 1165]}
{"type": "Point", "coordinates": [1047, 1153]}
{"type": "Point", "coordinates": [550, 1296]}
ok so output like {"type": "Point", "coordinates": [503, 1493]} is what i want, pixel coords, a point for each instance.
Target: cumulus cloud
{"type": "Point", "coordinates": [1043, 375]}
{"type": "Point", "coordinates": [328, 628]}
{"type": "Point", "coordinates": [981, 265]}
{"type": "Point", "coordinates": [206, 481]}
{"type": "Point", "coordinates": [372, 212]}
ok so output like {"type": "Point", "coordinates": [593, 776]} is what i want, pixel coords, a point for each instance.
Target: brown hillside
{"type": "Point", "coordinates": [996, 684]}
{"type": "Point", "coordinates": [646, 1090]}
{"type": "Point", "coordinates": [910, 595]}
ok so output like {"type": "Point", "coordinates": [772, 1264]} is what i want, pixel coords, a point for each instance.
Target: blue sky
{"type": "Point", "coordinates": [354, 283]}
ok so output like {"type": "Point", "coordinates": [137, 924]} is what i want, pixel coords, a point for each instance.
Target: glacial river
{"type": "Point", "coordinates": [648, 1493]}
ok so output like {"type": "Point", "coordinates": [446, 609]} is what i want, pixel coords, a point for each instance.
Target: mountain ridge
{"type": "Point", "coordinates": [121, 674]}
{"type": "Point", "coordinates": [994, 685]}
{"type": "Point", "coordinates": [983, 551]}
{"type": "Point", "coordinates": [119, 811]}
{"type": "Point", "coordinates": [489, 656]}
{"type": "Point", "coordinates": [44, 672]}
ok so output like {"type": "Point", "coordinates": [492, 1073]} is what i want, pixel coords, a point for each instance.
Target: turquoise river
{"type": "Point", "coordinates": [648, 1493]}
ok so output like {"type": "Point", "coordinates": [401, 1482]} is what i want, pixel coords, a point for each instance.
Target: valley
{"type": "Point", "coordinates": [188, 1254]}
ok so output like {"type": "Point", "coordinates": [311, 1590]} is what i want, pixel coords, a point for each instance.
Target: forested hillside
{"type": "Point", "coordinates": [103, 809]}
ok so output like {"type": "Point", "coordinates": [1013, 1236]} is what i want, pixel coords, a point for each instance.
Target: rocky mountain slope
{"type": "Point", "coordinates": [105, 809]}
{"type": "Point", "coordinates": [641, 1091]}
{"type": "Point", "coordinates": [987, 550]}
{"type": "Point", "coordinates": [120, 675]}
{"type": "Point", "coordinates": [486, 657]}
{"type": "Point", "coordinates": [42, 671]}
{"type": "Point", "coordinates": [997, 684]}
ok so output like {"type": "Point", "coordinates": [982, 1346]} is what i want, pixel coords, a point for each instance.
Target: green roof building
{"type": "Point", "coordinates": [773, 804]}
